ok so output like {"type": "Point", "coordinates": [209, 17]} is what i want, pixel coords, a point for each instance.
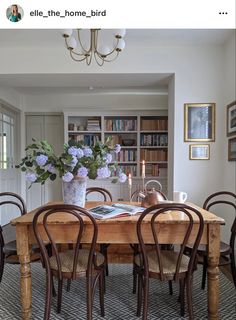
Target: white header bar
{"type": "Point", "coordinates": [211, 14]}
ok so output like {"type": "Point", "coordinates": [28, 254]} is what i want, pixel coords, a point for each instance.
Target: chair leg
{"type": "Point", "coordinates": [145, 296]}
{"type": "Point", "coordinates": [2, 258]}
{"type": "Point", "coordinates": [47, 309]}
{"type": "Point", "coordinates": [89, 297]}
{"type": "Point", "coordinates": [204, 273]}
{"type": "Point", "coordinates": [134, 280]}
{"type": "Point", "coordinates": [101, 293]}
{"type": "Point", "coordinates": [54, 294]}
{"type": "Point", "coordinates": [181, 296]}
{"type": "Point", "coordinates": [139, 299]}
{"type": "Point", "coordinates": [59, 297]}
{"type": "Point", "coordinates": [233, 267]}
{"type": "Point", "coordinates": [68, 285]}
{"type": "Point", "coordinates": [170, 287]}
{"type": "Point", "coordinates": [103, 250]}
{"type": "Point", "coordinates": [189, 296]}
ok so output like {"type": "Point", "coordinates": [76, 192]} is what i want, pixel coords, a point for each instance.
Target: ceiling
{"type": "Point", "coordinates": [38, 38]}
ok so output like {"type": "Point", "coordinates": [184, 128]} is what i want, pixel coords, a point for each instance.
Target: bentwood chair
{"type": "Point", "coordinates": [162, 264]}
{"type": "Point", "coordinates": [106, 195]}
{"type": "Point", "coordinates": [8, 247]}
{"type": "Point", "coordinates": [135, 197]}
{"type": "Point", "coordinates": [227, 256]}
{"type": "Point", "coordinates": [1, 254]}
{"type": "Point", "coordinates": [73, 263]}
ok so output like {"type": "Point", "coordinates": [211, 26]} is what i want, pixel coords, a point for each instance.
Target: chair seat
{"type": "Point", "coordinates": [224, 248]}
{"type": "Point", "coordinates": [67, 257]}
{"type": "Point", "coordinates": [169, 260]}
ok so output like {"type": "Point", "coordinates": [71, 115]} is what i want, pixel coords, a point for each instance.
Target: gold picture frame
{"type": "Point", "coordinates": [231, 119]}
{"type": "Point", "coordinates": [199, 122]}
{"type": "Point", "coordinates": [232, 149]}
{"type": "Point", "coordinates": [199, 152]}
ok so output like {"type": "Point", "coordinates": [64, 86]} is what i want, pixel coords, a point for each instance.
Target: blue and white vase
{"type": "Point", "coordinates": [74, 192]}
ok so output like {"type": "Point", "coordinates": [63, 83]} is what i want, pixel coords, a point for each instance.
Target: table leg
{"type": "Point", "coordinates": [25, 282]}
{"type": "Point", "coordinates": [213, 256]}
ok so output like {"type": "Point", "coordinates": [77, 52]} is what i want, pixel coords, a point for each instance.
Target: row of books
{"type": "Point", "coordinates": [154, 139]}
{"type": "Point", "coordinates": [93, 125]}
{"type": "Point", "coordinates": [121, 125]}
{"type": "Point", "coordinates": [154, 124]}
{"type": "Point", "coordinates": [127, 155]}
{"type": "Point", "coordinates": [152, 170]}
{"type": "Point", "coordinates": [89, 140]}
{"type": "Point", "coordinates": [129, 169]}
{"type": "Point", "coordinates": [154, 155]}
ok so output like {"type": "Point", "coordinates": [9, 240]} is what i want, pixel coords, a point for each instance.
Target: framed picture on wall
{"type": "Point", "coordinates": [199, 152]}
{"type": "Point", "coordinates": [199, 122]}
{"type": "Point", "coordinates": [232, 149]}
{"type": "Point", "coordinates": [231, 119]}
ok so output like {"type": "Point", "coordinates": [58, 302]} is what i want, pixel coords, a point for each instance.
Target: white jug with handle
{"type": "Point", "coordinates": [180, 196]}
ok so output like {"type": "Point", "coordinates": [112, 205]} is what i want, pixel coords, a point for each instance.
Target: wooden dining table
{"type": "Point", "coordinates": [121, 230]}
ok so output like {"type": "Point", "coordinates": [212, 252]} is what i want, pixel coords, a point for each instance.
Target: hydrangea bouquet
{"type": "Point", "coordinates": [77, 161]}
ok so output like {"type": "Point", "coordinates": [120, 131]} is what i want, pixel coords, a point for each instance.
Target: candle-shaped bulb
{"type": "Point", "coordinates": [130, 180]}
{"type": "Point", "coordinates": [143, 169]}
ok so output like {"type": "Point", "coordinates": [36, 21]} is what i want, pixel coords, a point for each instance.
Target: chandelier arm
{"type": "Point", "coordinates": [88, 59]}
{"type": "Point", "coordinates": [110, 53]}
{"type": "Point", "coordinates": [71, 50]}
{"type": "Point", "coordinates": [90, 49]}
{"type": "Point", "coordinates": [96, 56]}
{"type": "Point", "coordinates": [110, 60]}
{"type": "Point", "coordinates": [71, 54]}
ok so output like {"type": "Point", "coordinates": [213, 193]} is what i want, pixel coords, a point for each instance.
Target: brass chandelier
{"type": "Point", "coordinates": [79, 51]}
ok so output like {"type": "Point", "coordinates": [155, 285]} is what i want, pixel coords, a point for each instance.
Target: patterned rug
{"type": "Point", "coordinates": [120, 303]}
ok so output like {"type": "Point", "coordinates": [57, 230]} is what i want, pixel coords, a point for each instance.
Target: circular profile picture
{"type": "Point", "coordinates": [15, 13]}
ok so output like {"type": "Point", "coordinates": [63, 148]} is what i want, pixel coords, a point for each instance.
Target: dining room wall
{"type": "Point", "coordinates": [200, 75]}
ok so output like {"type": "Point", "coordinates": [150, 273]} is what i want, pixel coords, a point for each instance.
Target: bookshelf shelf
{"type": "Point", "coordinates": [143, 135]}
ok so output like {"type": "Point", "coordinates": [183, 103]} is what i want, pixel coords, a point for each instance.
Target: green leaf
{"type": "Point", "coordinates": [23, 169]}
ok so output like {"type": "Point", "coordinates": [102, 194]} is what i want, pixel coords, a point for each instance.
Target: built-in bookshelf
{"type": "Point", "coordinates": [142, 135]}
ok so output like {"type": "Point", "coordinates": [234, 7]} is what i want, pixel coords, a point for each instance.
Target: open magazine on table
{"type": "Point", "coordinates": [114, 210]}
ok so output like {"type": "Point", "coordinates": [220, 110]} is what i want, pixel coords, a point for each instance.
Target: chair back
{"type": "Point", "coordinates": [228, 198]}
{"type": "Point", "coordinates": [154, 212]}
{"type": "Point", "coordinates": [13, 199]}
{"type": "Point", "coordinates": [41, 225]}
{"type": "Point", "coordinates": [104, 192]}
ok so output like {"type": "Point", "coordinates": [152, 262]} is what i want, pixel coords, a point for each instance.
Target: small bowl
{"type": "Point", "coordinates": [128, 142]}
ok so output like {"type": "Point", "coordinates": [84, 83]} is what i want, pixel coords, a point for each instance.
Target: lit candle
{"type": "Point", "coordinates": [143, 169]}
{"type": "Point", "coordinates": [130, 180]}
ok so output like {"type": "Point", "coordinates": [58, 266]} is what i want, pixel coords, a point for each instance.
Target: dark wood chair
{"type": "Point", "coordinates": [106, 197]}
{"type": "Point", "coordinates": [72, 263]}
{"type": "Point", "coordinates": [166, 265]}
{"type": "Point", "coordinates": [135, 197]}
{"type": "Point", "coordinates": [1, 254]}
{"type": "Point", "coordinates": [226, 250]}
{"type": "Point", "coordinates": [8, 247]}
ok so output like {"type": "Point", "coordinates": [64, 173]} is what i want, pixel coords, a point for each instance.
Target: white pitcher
{"type": "Point", "coordinates": [180, 196]}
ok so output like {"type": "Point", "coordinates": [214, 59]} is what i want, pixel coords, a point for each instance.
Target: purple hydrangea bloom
{"type": "Point", "coordinates": [41, 160]}
{"type": "Point", "coordinates": [68, 176]}
{"type": "Point", "coordinates": [117, 148]}
{"type": "Point", "coordinates": [103, 172]}
{"type": "Point", "coordinates": [80, 153]}
{"type": "Point", "coordinates": [122, 177]}
{"type": "Point", "coordinates": [73, 161]}
{"type": "Point", "coordinates": [88, 152]}
{"type": "Point", "coordinates": [31, 177]}
{"type": "Point", "coordinates": [82, 172]}
{"type": "Point", "coordinates": [51, 168]}
{"type": "Point", "coordinates": [73, 151]}
{"type": "Point", "coordinates": [108, 158]}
